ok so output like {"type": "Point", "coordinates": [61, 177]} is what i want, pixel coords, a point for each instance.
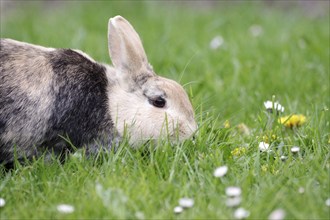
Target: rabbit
{"type": "Point", "coordinates": [51, 99]}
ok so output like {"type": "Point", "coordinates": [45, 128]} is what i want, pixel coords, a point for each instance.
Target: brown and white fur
{"type": "Point", "coordinates": [48, 95]}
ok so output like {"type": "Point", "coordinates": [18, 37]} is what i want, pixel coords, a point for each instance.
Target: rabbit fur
{"type": "Point", "coordinates": [49, 96]}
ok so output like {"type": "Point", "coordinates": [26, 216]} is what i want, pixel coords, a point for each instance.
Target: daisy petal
{"type": "Point", "coordinates": [65, 209]}
{"type": "Point", "coordinates": [220, 171]}
{"type": "Point", "coordinates": [277, 214]}
{"type": "Point", "coordinates": [178, 210]}
{"type": "Point", "coordinates": [269, 105]}
{"type": "Point", "coordinates": [2, 202]}
{"type": "Point", "coordinates": [241, 213]}
{"type": "Point", "coordinates": [263, 146]}
{"type": "Point", "coordinates": [327, 202]}
{"type": "Point", "coordinates": [295, 149]}
{"type": "Point", "coordinates": [216, 42]}
{"type": "Point", "coordinates": [233, 191]}
{"type": "Point", "coordinates": [186, 202]}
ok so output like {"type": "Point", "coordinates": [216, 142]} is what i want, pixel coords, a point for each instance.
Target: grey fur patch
{"type": "Point", "coordinates": [48, 94]}
{"type": "Point", "coordinates": [25, 97]}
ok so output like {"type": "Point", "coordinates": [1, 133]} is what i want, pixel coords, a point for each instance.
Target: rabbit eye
{"type": "Point", "coordinates": [159, 102]}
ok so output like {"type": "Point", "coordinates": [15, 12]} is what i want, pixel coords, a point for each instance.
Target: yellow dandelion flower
{"type": "Point", "coordinates": [292, 120]}
{"type": "Point", "coordinates": [238, 151]}
{"type": "Point", "coordinates": [226, 124]}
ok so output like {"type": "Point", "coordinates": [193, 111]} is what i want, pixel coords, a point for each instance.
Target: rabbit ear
{"type": "Point", "coordinates": [125, 46]}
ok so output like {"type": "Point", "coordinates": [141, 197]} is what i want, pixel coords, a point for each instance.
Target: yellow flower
{"type": "Point", "coordinates": [226, 124]}
{"type": "Point", "coordinates": [292, 120]}
{"type": "Point", "coordinates": [238, 151]}
{"type": "Point", "coordinates": [270, 139]}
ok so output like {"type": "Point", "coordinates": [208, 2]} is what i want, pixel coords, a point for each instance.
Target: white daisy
{"type": "Point", "coordinates": [233, 191]}
{"type": "Point", "coordinates": [178, 209]}
{"type": "Point", "coordinates": [186, 202]}
{"type": "Point", "coordinates": [241, 213]}
{"type": "Point", "coordinates": [220, 171]}
{"type": "Point", "coordinates": [269, 105]}
{"type": "Point", "coordinates": [65, 208]}
{"type": "Point", "coordinates": [216, 42]}
{"type": "Point", "coordinates": [277, 214]}
{"type": "Point", "coordinates": [295, 149]}
{"type": "Point", "coordinates": [327, 202]}
{"type": "Point", "coordinates": [283, 158]}
{"type": "Point", "coordinates": [263, 146]}
{"type": "Point", "coordinates": [2, 202]}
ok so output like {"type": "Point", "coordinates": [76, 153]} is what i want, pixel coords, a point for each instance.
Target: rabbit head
{"type": "Point", "coordinates": [143, 104]}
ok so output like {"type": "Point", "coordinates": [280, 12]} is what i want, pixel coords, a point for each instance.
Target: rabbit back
{"type": "Point", "coordinates": [47, 94]}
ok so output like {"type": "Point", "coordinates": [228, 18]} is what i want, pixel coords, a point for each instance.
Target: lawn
{"type": "Point", "coordinates": [259, 53]}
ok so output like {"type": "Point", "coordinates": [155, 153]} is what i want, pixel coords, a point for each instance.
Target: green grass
{"type": "Point", "coordinates": [290, 59]}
